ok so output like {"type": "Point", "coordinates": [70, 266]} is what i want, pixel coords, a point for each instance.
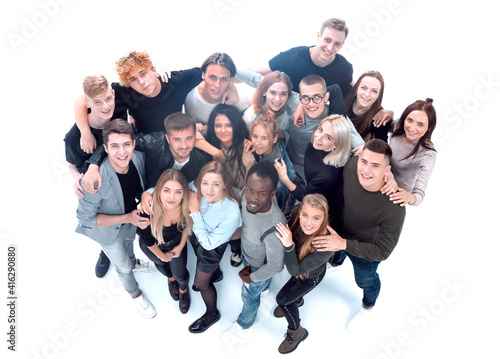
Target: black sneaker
{"type": "Point", "coordinates": [102, 265]}
{"type": "Point", "coordinates": [235, 259]}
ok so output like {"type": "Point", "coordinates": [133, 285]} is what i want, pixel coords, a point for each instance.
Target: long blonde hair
{"type": "Point", "coordinates": [157, 217]}
{"type": "Point", "coordinates": [304, 246]}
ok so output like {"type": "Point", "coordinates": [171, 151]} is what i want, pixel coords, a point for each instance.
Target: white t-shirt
{"type": "Point", "coordinates": [201, 109]}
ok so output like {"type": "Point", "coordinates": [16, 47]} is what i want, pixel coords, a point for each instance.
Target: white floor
{"type": "Point", "coordinates": [438, 287]}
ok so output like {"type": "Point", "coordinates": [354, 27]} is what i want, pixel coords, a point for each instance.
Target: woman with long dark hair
{"type": "Point", "coordinates": [413, 153]}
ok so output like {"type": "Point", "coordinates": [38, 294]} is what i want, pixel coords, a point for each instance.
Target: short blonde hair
{"type": "Point", "coordinates": [342, 132]}
{"type": "Point", "coordinates": [126, 64]}
{"type": "Point", "coordinates": [94, 85]}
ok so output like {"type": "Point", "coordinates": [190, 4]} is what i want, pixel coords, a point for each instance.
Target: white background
{"type": "Point", "coordinates": [439, 287]}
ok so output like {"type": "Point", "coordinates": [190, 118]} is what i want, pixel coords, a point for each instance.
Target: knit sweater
{"type": "Point", "coordinates": [267, 254]}
{"type": "Point", "coordinates": [412, 173]}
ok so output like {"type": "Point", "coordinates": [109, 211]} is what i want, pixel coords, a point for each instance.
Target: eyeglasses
{"type": "Point", "coordinates": [316, 99]}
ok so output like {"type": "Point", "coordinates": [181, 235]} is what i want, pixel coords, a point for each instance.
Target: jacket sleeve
{"type": "Point", "coordinates": [307, 264]}
{"type": "Point", "coordinates": [87, 210]}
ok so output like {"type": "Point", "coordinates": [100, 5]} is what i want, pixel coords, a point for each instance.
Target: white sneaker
{"type": "Point", "coordinates": [359, 319]}
{"type": "Point", "coordinates": [235, 333]}
{"type": "Point", "coordinates": [144, 266]}
{"type": "Point", "coordinates": [144, 307]}
{"type": "Point", "coordinates": [265, 293]}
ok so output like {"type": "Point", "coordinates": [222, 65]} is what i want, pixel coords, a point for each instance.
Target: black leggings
{"type": "Point", "coordinates": [175, 268]}
{"type": "Point", "coordinates": [293, 290]}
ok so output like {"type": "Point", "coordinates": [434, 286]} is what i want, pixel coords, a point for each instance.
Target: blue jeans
{"type": "Point", "coordinates": [250, 294]}
{"type": "Point", "coordinates": [121, 254]}
{"type": "Point", "coordinates": [365, 274]}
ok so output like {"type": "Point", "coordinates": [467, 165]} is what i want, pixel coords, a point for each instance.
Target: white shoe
{"type": "Point", "coordinates": [235, 332]}
{"type": "Point", "coordinates": [144, 266]}
{"type": "Point", "coordinates": [144, 307]}
{"type": "Point", "coordinates": [265, 293]}
{"type": "Point", "coordinates": [359, 320]}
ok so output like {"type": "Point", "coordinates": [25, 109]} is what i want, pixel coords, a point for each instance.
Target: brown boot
{"type": "Point", "coordinates": [292, 340]}
{"type": "Point", "coordinates": [278, 312]}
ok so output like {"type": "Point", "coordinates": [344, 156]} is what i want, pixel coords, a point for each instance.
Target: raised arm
{"type": "Point", "coordinates": [87, 139]}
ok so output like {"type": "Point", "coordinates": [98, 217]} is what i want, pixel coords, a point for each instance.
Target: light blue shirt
{"type": "Point", "coordinates": [216, 222]}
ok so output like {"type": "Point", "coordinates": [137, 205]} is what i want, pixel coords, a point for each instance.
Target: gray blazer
{"type": "Point", "coordinates": [108, 200]}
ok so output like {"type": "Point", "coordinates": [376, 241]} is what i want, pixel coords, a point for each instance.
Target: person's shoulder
{"type": "Point", "coordinates": [342, 61]}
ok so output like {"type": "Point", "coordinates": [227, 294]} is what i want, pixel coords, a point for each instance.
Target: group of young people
{"type": "Point", "coordinates": [309, 170]}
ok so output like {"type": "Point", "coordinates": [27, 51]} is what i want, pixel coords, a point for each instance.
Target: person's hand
{"type": "Point", "coordinates": [176, 251]}
{"type": "Point", "coordinates": [329, 242]}
{"type": "Point", "coordinates": [357, 151]}
{"type": "Point", "coordinates": [132, 122]}
{"type": "Point", "coordinates": [299, 118]}
{"type": "Point", "coordinates": [247, 146]}
{"type": "Point", "coordinates": [284, 234]}
{"type": "Point", "coordinates": [146, 203]}
{"type": "Point", "coordinates": [91, 178]}
{"type": "Point", "coordinates": [230, 97]}
{"type": "Point", "coordinates": [383, 117]}
{"type": "Point", "coordinates": [200, 127]}
{"type": "Point", "coordinates": [194, 202]}
{"type": "Point", "coordinates": [166, 257]}
{"type": "Point", "coordinates": [137, 220]}
{"type": "Point", "coordinates": [281, 168]}
{"type": "Point", "coordinates": [163, 75]}
{"type": "Point", "coordinates": [390, 185]}
{"type": "Point", "coordinates": [402, 197]}
{"type": "Point", "coordinates": [245, 274]}
{"type": "Point", "coordinates": [87, 142]}
{"type": "Point", "coordinates": [77, 187]}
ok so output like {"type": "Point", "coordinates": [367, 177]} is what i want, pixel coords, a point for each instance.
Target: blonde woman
{"type": "Point", "coordinates": [324, 161]}
{"type": "Point", "coordinates": [305, 264]}
{"type": "Point", "coordinates": [164, 241]}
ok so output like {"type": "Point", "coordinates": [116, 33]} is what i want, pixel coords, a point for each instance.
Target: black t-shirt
{"type": "Point", "coordinates": [74, 153]}
{"type": "Point", "coordinates": [130, 183]}
{"type": "Point", "coordinates": [297, 64]}
{"type": "Point", "coordinates": [150, 113]}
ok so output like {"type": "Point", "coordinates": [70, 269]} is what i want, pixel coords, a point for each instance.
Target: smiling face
{"type": "Point", "coordinates": [416, 125]}
{"type": "Point", "coordinates": [216, 80]}
{"type": "Point", "coordinates": [258, 193]}
{"type": "Point", "coordinates": [311, 219]}
{"type": "Point", "coordinates": [171, 195]}
{"type": "Point", "coordinates": [368, 91]}
{"type": "Point", "coordinates": [276, 96]}
{"type": "Point", "coordinates": [212, 187]}
{"type": "Point", "coordinates": [120, 148]}
{"type": "Point", "coordinates": [223, 130]}
{"type": "Point", "coordinates": [145, 82]}
{"type": "Point", "coordinates": [329, 43]}
{"type": "Point", "coordinates": [262, 140]}
{"type": "Point", "coordinates": [101, 108]}
{"type": "Point", "coordinates": [314, 110]}
{"type": "Point", "coordinates": [324, 137]}
{"type": "Point", "coordinates": [372, 167]}
{"type": "Point", "coordinates": [181, 143]}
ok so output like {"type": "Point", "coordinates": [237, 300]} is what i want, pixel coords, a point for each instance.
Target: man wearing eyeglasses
{"type": "Point", "coordinates": [322, 59]}
{"type": "Point", "coordinates": [317, 102]}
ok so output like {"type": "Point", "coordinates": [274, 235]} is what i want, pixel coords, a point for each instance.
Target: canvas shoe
{"type": "Point", "coordinates": [359, 319]}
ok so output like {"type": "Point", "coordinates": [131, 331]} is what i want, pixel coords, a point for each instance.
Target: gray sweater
{"type": "Point", "coordinates": [268, 254]}
{"type": "Point", "coordinates": [412, 173]}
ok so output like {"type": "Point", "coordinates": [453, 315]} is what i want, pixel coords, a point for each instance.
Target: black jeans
{"type": "Point", "coordinates": [177, 267]}
{"type": "Point", "coordinates": [294, 289]}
